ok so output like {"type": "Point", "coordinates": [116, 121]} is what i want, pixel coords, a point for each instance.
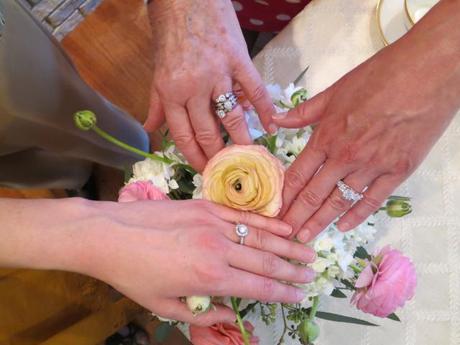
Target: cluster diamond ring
{"type": "Point", "coordinates": [225, 103]}
{"type": "Point", "coordinates": [348, 193]}
{"type": "Point", "coordinates": [242, 231]}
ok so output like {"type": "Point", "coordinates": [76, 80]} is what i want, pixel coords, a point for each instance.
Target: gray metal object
{"type": "Point", "coordinates": [39, 92]}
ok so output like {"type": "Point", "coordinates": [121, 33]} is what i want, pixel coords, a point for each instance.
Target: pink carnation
{"type": "Point", "coordinates": [385, 284]}
{"type": "Point", "coordinates": [141, 190]}
{"type": "Point", "coordinates": [220, 334]}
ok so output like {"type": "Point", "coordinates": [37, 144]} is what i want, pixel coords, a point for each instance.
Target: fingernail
{"type": "Point", "coordinates": [344, 227]}
{"type": "Point", "coordinates": [304, 235]}
{"type": "Point", "coordinates": [287, 229]}
{"type": "Point", "coordinates": [300, 295]}
{"type": "Point", "coordinates": [309, 275]}
{"type": "Point", "coordinates": [312, 255]}
{"type": "Point", "coordinates": [273, 129]}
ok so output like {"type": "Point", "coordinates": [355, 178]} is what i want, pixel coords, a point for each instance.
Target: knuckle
{"type": "Point", "coordinates": [258, 93]}
{"type": "Point", "coordinates": [295, 178]}
{"type": "Point", "coordinates": [260, 239]}
{"type": "Point", "coordinates": [206, 137]}
{"type": "Point", "coordinates": [371, 204]}
{"type": "Point", "coordinates": [244, 217]}
{"type": "Point", "coordinates": [183, 139]}
{"type": "Point", "coordinates": [234, 122]}
{"type": "Point", "coordinates": [211, 241]}
{"type": "Point", "coordinates": [209, 274]}
{"type": "Point", "coordinates": [337, 203]}
{"type": "Point", "coordinates": [310, 198]}
{"type": "Point", "coordinates": [268, 289]}
{"type": "Point", "coordinates": [270, 264]}
{"type": "Point", "coordinates": [404, 166]}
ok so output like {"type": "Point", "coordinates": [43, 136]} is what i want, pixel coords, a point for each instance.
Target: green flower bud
{"type": "Point", "coordinates": [85, 119]}
{"type": "Point", "coordinates": [398, 208]}
{"type": "Point", "coordinates": [198, 304]}
{"type": "Point", "coordinates": [298, 97]}
{"type": "Point", "coordinates": [308, 331]}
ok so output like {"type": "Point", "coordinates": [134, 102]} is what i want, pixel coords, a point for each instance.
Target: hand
{"type": "Point", "coordinates": [199, 54]}
{"type": "Point", "coordinates": [156, 252]}
{"type": "Point", "coordinates": [374, 126]}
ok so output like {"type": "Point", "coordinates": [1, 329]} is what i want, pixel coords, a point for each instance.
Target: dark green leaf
{"type": "Point", "coordinates": [248, 309]}
{"type": "Point", "coordinates": [338, 294]}
{"type": "Point", "coordinates": [342, 318]}
{"type": "Point", "coordinates": [394, 317]}
{"type": "Point", "coordinates": [362, 253]}
{"type": "Point", "coordinates": [348, 285]}
{"type": "Point", "coordinates": [162, 332]}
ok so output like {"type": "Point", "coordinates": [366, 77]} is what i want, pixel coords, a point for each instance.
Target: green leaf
{"type": "Point", "coordinates": [394, 317]}
{"type": "Point", "coordinates": [248, 309]}
{"type": "Point", "coordinates": [162, 332]}
{"type": "Point", "coordinates": [362, 253]}
{"type": "Point", "coordinates": [341, 318]}
{"type": "Point", "coordinates": [338, 294]}
{"type": "Point", "coordinates": [348, 285]}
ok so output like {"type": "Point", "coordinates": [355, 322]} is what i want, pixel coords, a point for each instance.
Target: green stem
{"type": "Point", "coordinates": [239, 320]}
{"type": "Point", "coordinates": [285, 325]}
{"type": "Point", "coordinates": [314, 308]}
{"type": "Point", "coordinates": [127, 147]}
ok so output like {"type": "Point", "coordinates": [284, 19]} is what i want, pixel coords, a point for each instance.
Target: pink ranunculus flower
{"type": "Point", "coordinates": [141, 190]}
{"type": "Point", "coordinates": [385, 284]}
{"type": "Point", "coordinates": [221, 334]}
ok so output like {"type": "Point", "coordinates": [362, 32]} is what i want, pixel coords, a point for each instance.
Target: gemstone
{"type": "Point", "coordinates": [242, 230]}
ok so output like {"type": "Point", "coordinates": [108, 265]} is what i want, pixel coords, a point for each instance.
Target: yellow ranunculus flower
{"type": "Point", "coordinates": [245, 177]}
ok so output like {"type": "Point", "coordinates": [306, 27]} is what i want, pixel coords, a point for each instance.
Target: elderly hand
{"type": "Point", "coordinates": [158, 251]}
{"type": "Point", "coordinates": [199, 54]}
{"type": "Point", "coordinates": [374, 126]}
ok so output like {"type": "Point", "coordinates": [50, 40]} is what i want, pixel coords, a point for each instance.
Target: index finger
{"type": "Point", "coordinates": [299, 174]}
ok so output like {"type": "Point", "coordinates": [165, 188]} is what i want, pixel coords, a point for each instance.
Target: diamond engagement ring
{"type": "Point", "coordinates": [242, 231]}
{"type": "Point", "coordinates": [348, 193]}
{"type": "Point", "coordinates": [225, 103]}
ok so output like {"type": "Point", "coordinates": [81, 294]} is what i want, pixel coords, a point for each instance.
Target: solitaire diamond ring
{"type": "Point", "coordinates": [242, 231]}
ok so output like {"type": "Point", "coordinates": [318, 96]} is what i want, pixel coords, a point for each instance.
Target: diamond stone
{"type": "Point", "coordinates": [221, 113]}
{"type": "Point", "coordinates": [242, 230]}
{"type": "Point", "coordinates": [221, 98]}
{"type": "Point", "coordinates": [228, 105]}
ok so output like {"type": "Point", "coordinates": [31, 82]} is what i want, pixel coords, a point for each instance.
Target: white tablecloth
{"type": "Point", "coordinates": [332, 37]}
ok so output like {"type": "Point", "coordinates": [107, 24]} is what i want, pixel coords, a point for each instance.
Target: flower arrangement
{"type": "Point", "coordinates": [251, 178]}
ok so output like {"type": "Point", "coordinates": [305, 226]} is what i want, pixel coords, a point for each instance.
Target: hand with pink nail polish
{"type": "Point", "coordinates": [374, 126]}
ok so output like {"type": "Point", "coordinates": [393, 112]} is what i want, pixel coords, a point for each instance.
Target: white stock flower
{"type": "Point", "coordinates": [198, 183]}
{"type": "Point", "coordinates": [157, 172]}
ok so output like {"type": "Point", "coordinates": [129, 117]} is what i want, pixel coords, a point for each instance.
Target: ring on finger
{"type": "Point", "coordinates": [242, 232]}
{"type": "Point", "coordinates": [225, 103]}
{"type": "Point", "coordinates": [348, 193]}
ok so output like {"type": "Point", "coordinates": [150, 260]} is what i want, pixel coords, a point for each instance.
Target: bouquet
{"type": "Point", "coordinates": [250, 178]}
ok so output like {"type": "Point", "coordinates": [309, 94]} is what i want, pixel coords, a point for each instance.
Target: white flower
{"type": "Point", "coordinates": [157, 172]}
{"type": "Point", "coordinates": [173, 184]}
{"type": "Point", "coordinates": [198, 183]}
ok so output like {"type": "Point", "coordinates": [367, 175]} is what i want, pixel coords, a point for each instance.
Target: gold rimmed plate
{"type": "Point", "coordinates": [392, 20]}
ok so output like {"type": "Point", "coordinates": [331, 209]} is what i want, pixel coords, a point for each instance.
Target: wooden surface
{"type": "Point", "coordinates": [111, 50]}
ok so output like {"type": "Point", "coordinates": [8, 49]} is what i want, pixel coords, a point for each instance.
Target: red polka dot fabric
{"type": "Point", "coordinates": [267, 15]}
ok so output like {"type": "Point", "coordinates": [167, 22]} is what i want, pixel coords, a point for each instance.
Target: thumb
{"type": "Point", "coordinates": [156, 116]}
{"type": "Point", "coordinates": [306, 113]}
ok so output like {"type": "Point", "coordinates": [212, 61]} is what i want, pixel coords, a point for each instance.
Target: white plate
{"type": "Point", "coordinates": [416, 9]}
{"type": "Point", "coordinates": [392, 20]}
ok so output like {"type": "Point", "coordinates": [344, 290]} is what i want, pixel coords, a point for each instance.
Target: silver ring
{"type": "Point", "coordinates": [225, 103]}
{"type": "Point", "coordinates": [348, 193]}
{"type": "Point", "coordinates": [242, 231]}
